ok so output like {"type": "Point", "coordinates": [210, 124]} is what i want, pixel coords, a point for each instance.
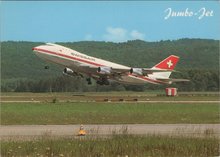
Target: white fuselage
{"type": "Point", "coordinates": [78, 61]}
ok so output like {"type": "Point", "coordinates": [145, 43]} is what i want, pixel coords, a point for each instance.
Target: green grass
{"type": "Point", "coordinates": [110, 93]}
{"type": "Point", "coordinates": [117, 145]}
{"type": "Point", "coordinates": [113, 96]}
{"type": "Point", "coordinates": [107, 113]}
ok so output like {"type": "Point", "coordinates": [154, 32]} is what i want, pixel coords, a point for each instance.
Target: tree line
{"type": "Point", "coordinates": [23, 71]}
{"type": "Point", "coordinates": [200, 80]}
{"type": "Point", "coordinates": [18, 61]}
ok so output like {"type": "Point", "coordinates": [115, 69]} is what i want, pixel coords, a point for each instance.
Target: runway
{"type": "Point", "coordinates": [92, 101]}
{"type": "Point", "coordinates": [34, 131]}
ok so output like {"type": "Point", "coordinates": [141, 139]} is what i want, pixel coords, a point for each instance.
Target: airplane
{"type": "Point", "coordinates": [105, 72]}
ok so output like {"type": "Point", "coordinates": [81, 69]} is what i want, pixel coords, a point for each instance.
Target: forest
{"type": "Point", "coordinates": [23, 71]}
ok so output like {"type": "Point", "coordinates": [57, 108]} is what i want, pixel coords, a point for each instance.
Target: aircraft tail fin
{"type": "Point", "coordinates": [168, 63]}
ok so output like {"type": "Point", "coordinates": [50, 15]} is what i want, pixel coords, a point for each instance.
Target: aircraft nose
{"type": "Point", "coordinates": [35, 48]}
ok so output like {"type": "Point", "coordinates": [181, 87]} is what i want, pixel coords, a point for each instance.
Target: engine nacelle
{"type": "Point", "coordinates": [104, 70]}
{"type": "Point", "coordinates": [136, 71]}
{"type": "Point", "coordinates": [68, 71]}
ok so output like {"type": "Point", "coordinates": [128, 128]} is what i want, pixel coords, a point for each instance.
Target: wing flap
{"type": "Point", "coordinates": [120, 71]}
{"type": "Point", "coordinates": [151, 71]}
{"type": "Point", "coordinates": [114, 71]}
{"type": "Point", "coordinates": [170, 80]}
{"type": "Point", "coordinates": [124, 71]}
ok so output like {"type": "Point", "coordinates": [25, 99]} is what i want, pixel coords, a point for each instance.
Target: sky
{"type": "Point", "coordinates": [116, 21]}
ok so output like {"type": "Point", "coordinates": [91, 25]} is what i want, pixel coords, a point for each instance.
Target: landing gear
{"type": "Point", "coordinates": [89, 81]}
{"type": "Point", "coordinates": [46, 67]}
{"type": "Point", "coordinates": [103, 81]}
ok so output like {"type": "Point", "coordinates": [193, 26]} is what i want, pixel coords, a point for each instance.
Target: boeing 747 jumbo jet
{"type": "Point", "coordinates": [78, 64]}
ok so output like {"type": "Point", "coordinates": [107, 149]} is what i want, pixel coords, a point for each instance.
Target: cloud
{"type": "Point", "coordinates": [136, 35]}
{"type": "Point", "coordinates": [118, 34]}
{"type": "Point", "coordinates": [115, 34]}
{"type": "Point", "coordinates": [88, 37]}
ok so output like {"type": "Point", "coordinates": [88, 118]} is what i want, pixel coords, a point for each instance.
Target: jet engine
{"type": "Point", "coordinates": [70, 72]}
{"type": "Point", "coordinates": [136, 71]}
{"type": "Point", "coordinates": [104, 70]}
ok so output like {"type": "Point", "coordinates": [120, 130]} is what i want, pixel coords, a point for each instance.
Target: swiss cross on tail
{"type": "Point", "coordinates": [168, 63]}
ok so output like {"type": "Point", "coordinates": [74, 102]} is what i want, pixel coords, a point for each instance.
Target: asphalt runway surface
{"type": "Point", "coordinates": [183, 102]}
{"type": "Point", "coordinates": [34, 131]}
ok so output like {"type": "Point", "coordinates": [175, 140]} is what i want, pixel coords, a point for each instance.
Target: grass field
{"type": "Point", "coordinates": [107, 113]}
{"type": "Point", "coordinates": [115, 146]}
{"type": "Point", "coordinates": [112, 96]}
{"type": "Point", "coordinates": [64, 111]}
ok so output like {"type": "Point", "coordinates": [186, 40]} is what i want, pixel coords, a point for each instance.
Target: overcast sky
{"type": "Point", "coordinates": [117, 21]}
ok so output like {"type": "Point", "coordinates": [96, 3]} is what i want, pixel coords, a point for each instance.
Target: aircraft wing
{"type": "Point", "coordinates": [121, 71]}
{"type": "Point", "coordinates": [105, 70]}
{"type": "Point", "coordinates": [170, 80]}
{"type": "Point", "coordinates": [150, 71]}
{"type": "Point", "coordinates": [144, 70]}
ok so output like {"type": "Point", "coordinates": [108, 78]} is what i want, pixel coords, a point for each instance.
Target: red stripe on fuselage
{"type": "Point", "coordinates": [92, 63]}
{"type": "Point", "coordinates": [70, 57]}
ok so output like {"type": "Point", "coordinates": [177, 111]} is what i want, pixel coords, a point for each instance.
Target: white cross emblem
{"type": "Point", "coordinates": [169, 63]}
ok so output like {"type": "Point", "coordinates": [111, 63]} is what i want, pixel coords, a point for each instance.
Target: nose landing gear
{"type": "Point", "coordinates": [46, 67]}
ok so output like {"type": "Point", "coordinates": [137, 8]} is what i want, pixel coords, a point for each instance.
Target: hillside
{"type": "Point", "coordinates": [19, 62]}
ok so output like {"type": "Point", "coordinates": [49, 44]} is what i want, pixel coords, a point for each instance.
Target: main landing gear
{"type": "Point", "coordinates": [89, 81]}
{"type": "Point", "coordinates": [103, 81]}
{"type": "Point", "coordinates": [100, 81]}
